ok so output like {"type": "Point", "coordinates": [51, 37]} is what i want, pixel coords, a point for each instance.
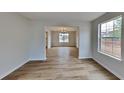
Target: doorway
{"type": "Point", "coordinates": [62, 42]}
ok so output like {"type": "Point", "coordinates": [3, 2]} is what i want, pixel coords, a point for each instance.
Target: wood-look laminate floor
{"type": "Point", "coordinates": [62, 64]}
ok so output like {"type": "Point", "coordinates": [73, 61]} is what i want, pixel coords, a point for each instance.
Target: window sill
{"type": "Point", "coordinates": [110, 56]}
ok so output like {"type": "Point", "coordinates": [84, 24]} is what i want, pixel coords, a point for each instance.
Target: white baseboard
{"type": "Point", "coordinates": [15, 68]}
{"type": "Point", "coordinates": [113, 72]}
{"type": "Point", "coordinates": [38, 59]}
{"type": "Point", "coordinates": [116, 74]}
{"type": "Point", "coordinates": [84, 57]}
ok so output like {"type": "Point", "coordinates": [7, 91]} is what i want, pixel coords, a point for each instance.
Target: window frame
{"type": "Point", "coordinates": [99, 38]}
{"type": "Point", "coordinates": [64, 33]}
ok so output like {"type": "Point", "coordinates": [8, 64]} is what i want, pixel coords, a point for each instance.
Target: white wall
{"type": "Point", "coordinates": [15, 40]}
{"type": "Point", "coordinates": [85, 49]}
{"type": "Point", "coordinates": [55, 39]}
{"type": "Point", "coordinates": [113, 65]}
{"type": "Point", "coordinates": [38, 44]}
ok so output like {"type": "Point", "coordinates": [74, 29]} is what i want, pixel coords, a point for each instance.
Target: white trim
{"type": "Point", "coordinates": [116, 74]}
{"type": "Point", "coordinates": [99, 38]}
{"type": "Point", "coordinates": [38, 59]}
{"type": "Point", "coordinates": [10, 71]}
{"type": "Point", "coordinates": [15, 68]}
{"type": "Point", "coordinates": [114, 18]}
{"type": "Point", "coordinates": [113, 72]}
{"type": "Point", "coordinates": [119, 59]}
{"type": "Point", "coordinates": [84, 57]}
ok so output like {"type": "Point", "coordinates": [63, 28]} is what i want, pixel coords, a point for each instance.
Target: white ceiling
{"type": "Point", "coordinates": [60, 16]}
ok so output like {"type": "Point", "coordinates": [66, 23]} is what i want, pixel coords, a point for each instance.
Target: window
{"type": "Point", "coordinates": [63, 37]}
{"type": "Point", "coordinates": [110, 37]}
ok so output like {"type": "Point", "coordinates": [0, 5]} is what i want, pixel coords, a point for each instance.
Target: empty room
{"type": "Point", "coordinates": [61, 46]}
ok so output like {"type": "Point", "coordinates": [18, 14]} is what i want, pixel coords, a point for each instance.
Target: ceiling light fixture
{"type": "Point", "coordinates": [63, 29]}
